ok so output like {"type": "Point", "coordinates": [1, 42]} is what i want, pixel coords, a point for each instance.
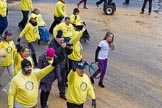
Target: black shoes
{"type": "Point", "coordinates": [97, 4]}
{"type": "Point", "coordinates": [0, 85]}
{"type": "Point", "coordinates": [63, 96]}
{"type": "Point", "coordinates": [101, 85]}
{"type": "Point", "coordinates": [92, 80]}
{"type": "Point", "coordinates": [125, 3]}
{"type": "Point", "coordinates": [45, 106]}
{"type": "Point", "coordinates": [141, 12]}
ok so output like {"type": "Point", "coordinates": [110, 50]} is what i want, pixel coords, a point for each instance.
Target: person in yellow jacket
{"type": "Point", "coordinates": [3, 17]}
{"type": "Point", "coordinates": [31, 33]}
{"type": "Point", "coordinates": [59, 14]}
{"type": "Point", "coordinates": [25, 7]}
{"type": "Point", "coordinates": [24, 53]}
{"type": "Point", "coordinates": [79, 86]}
{"type": "Point", "coordinates": [23, 90]}
{"type": "Point", "coordinates": [67, 29]}
{"type": "Point", "coordinates": [7, 52]}
{"type": "Point", "coordinates": [79, 24]}
{"type": "Point", "coordinates": [43, 31]}
{"type": "Point", "coordinates": [76, 55]}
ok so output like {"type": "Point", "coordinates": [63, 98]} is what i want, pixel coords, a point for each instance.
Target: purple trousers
{"type": "Point", "coordinates": [85, 2]}
{"type": "Point", "coordinates": [103, 64]}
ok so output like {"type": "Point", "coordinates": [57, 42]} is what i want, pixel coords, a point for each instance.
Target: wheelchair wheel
{"type": "Point", "coordinates": [96, 67]}
{"type": "Point", "coordinates": [109, 10]}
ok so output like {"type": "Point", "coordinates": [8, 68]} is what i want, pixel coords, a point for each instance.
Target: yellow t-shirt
{"type": "Point", "coordinates": [60, 9]}
{"type": "Point", "coordinates": [78, 88]}
{"type": "Point", "coordinates": [31, 33]}
{"type": "Point", "coordinates": [68, 30]}
{"type": "Point", "coordinates": [76, 55]}
{"type": "Point", "coordinates": [76, 21]}
{"type": "Point", "coordinates": [10, 50]}
{"type": "Point", "coordinates": [17, 62]}
{"type": "Point", "coordinates": [24, 88]}
{"type": "Point", "coordinates": [26, 5]}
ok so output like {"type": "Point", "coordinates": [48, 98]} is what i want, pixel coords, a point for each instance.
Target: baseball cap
{"type": "Point", "coordinates": [50, 52]}
{"type": "Point", "coordinates": [32, 16]}
{"type": "Point", "coordinates": [80, 65]}
{"type": "Point", "coordinates": [25, 63]}
{"type": "Point", "coordinates": [59, 34]}
{"type": "Point", "coordinates": [8, 32]}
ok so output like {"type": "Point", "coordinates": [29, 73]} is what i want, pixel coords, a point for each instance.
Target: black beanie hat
{"type": "Point", "coordinates": [76, 10]}
{"type": "Point", "coordinates": [25, 63]}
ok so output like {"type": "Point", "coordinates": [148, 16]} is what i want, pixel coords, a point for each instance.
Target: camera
{"type": "Point", "coordinates": [69, 45]}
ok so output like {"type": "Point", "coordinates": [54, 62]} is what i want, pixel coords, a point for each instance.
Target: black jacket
{"type": "Point", "coordinates": [61, 53]}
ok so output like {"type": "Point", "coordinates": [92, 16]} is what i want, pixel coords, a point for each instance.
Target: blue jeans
{"type": "Point", "coordinates": [3, 24]}
{"type": "Point", "coordinates": [32, 47]}
{"type": "Point", "coordinates": [43, 32]}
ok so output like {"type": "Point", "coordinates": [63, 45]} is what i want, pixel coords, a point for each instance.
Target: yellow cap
{"type": "Point", "coordinates": [32, 16]}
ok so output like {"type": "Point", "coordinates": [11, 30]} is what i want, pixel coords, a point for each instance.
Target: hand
{"type": "Point", "coordinates": [4, 55]}
{"type": "Point", "coordinates": [93, 103]}
{"type": "Point", "coordinates": [63, 45]}
{"type": "Point", "coordinates": [85, 63]}
{"type": "Point", "coordinates": [112, 47]}
{"type": "Point", "coordinates": [96, 62]}
{"type": "Point", "coordinates": [18, 40]}
{"type": "Point", "coordinates": [84, 28]}
{"type": "Point", "coordinates": [38, 41]}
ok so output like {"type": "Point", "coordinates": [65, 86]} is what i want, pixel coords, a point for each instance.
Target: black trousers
{"type": "Point", "coordinates": [72, 105]}
{"type": "Point", "coordinates": [23, 22]}
{"type": "Point", "coordinates": [44, 98]}
{"type": "Point", "coordinates": [61, 85]}
{"type": "Point", "coordinates": [127, 1]}
{"type": "Point", "coordinates": [55, 22]}
{"type": "Point", "coordinates": [144, 5]}
{"type": "Point", "coordinates": [101, 1]}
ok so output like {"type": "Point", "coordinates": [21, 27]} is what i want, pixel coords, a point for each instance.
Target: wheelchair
{"type": "Point", "coordinates": [109, 7]}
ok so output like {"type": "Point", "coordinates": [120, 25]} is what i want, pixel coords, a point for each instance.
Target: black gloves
{"type": "Point", "coordinates": [38, 41]}
{"type": "Point", "coordinates": [18, 40]}
{"type": "Point", "coordinates": [18, 47]}
{"type": "Point", "coordinates": [93, 103]}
